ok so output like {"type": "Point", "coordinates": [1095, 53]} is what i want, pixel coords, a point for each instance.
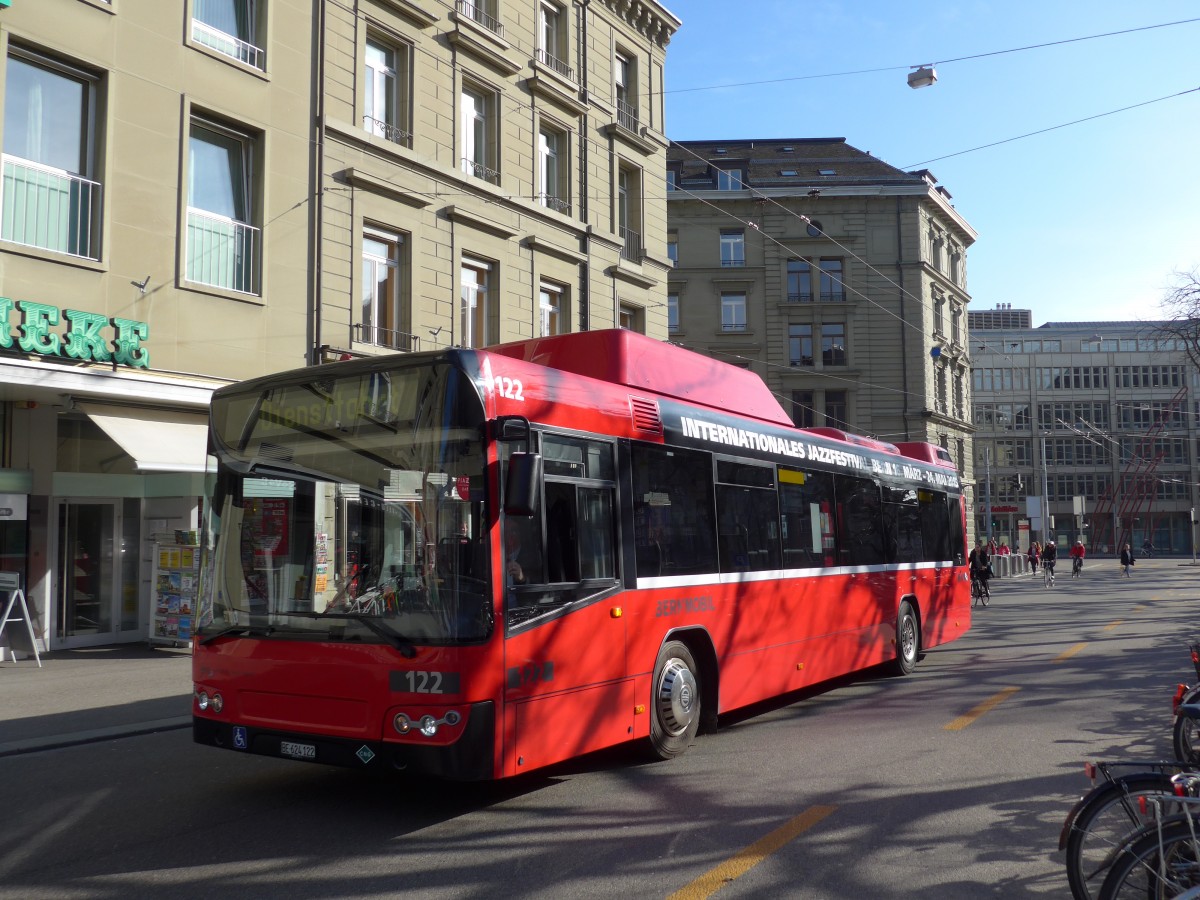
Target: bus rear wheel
{"type": "Point", "coordinates": [675, 703]}
{"type": "Point", "coordinates": [908, 640]}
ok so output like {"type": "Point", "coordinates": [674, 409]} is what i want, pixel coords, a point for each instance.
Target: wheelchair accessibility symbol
{"type": "Point", "coordinates": [239, 737]}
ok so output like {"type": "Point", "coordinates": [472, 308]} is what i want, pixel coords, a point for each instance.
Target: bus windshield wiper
{"type": "Point", "coordinates": [406, 647]}
{"type": "Point", "coordinates": [251, 630]}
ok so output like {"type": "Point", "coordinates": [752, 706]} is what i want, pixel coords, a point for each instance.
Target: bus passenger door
{"type": "Point", "coordinates": [566, 686]}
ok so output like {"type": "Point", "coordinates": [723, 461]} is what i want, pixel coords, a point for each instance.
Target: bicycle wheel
{"type": "Point", "coordinates": [985, 593]}
{"type": "Point", "coordinates": [1185, 739]}
{"type": "Point", "coordinates": [1156, 865]}
{"type": "Point", "coordinates": [1100, 823]}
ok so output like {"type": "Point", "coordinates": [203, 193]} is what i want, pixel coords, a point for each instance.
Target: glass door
{"type": "Point", "coordinates": [88, 573]}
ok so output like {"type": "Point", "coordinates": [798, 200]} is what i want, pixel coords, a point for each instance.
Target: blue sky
{"type": "Point", "coordinates": [1086, 222]}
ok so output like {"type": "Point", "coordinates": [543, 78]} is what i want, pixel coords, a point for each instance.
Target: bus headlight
{"type": "Point", "coordinates": [206, 702]}
{"type": "Point", "coordinates": [428, 725]}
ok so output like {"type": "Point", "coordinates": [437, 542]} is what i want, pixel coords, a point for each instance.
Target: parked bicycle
{"type": "Point", "coordinates": [1106, 815]}
{"type": "Point", "coordinates": [1162, 858]}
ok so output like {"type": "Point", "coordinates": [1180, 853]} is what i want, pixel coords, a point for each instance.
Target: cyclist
{"type": "Point", "coordinates": [1078, 552]}
{"type": "Point", "coordinates": [981, 565]}
{"type": "Point", "coordinates": [1049, 558]}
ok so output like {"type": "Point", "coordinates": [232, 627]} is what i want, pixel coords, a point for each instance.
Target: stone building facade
{"type": "Point", "coordinates": [838, 278]}
{"type": "Point", "coordinates": [196, 192]}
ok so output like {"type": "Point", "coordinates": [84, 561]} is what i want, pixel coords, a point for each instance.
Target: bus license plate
{"type": "Point", "coordinates": [298, 751]}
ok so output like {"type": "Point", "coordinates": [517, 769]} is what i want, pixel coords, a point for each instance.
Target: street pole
{"type": "Point", "coordinates": [987, 500]}
{"type": "Point", "coordinates": [1045, 496]}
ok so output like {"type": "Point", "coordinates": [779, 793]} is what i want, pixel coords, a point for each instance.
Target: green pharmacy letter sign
{"type": "Point", "coordinates": [90, 337]}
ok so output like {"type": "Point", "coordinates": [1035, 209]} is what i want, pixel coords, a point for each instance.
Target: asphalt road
{"type": "Point", "coordinates": [952, 783]}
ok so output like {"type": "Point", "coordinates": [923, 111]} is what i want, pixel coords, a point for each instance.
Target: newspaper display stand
{"type": "Point", "coordinates": [176, 586]}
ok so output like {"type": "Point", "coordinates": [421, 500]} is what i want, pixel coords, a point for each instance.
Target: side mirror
{"type": "Point", "coordinates": [521, 484]}
{"type": "Point", "coordinates": [512, 429]}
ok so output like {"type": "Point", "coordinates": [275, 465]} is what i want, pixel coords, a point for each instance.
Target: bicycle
{"type": "Point", "coordinates": [1103, 818]}
{"type": "Point", "coordinates": [1076, 567]}
{"type": "Point", "coordinates": [1048, 574]}
{"type": "Point", "coordinates": [980, 592]}
{"type": "Point", "coordinates": [1162, 858]}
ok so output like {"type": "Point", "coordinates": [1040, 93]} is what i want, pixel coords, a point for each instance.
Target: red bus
{"type": "Point", "coordinates": [475, 563]}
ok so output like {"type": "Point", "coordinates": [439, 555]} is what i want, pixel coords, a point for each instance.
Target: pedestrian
{"type": "Point", "coordinates": [1127, 560]}
{"type": "Point", "coordinates": [1035, 554]}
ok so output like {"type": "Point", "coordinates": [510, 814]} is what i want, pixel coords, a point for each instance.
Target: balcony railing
{"type": "Point", "coordinates": [833, 296]}
{"type": "Point", "coordinates": [49, 209]}
{"type": "Point", "coordinates": [631, 249]}
{"type": "Point", "coordinates": [556, 203]}
{"type": "Point", "coordinates": [627, 115]}
{"type": "Point", "coordinates": [733, 326]}
{"type": "Point", "coordinates": [556, 64]}
{"type": "Point", "coordinates": [228, 44]}
{"type": "Point", "coordinates": [386, 130]}
{"type": "Point", "coordinates": [479, 170]}
{"type": "Point", "coordinates": [386, 337]}
{"type": "Point", "coordinates": [733, 263]}
{"type": "Point", "coordinates": [800, 298]}
{"type": "Point", "coordinates": [474, 12]}
{"type": "Point", "coordinates": [222, 252]}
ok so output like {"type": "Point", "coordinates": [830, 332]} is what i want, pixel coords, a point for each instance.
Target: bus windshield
{"type": "Point", "coordinates": [349, 507]}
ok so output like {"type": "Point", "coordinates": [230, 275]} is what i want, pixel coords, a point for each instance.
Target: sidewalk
{"type": "Point", "coordinates": [79, 696]}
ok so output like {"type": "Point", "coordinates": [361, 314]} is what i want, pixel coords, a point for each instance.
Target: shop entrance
{"type": "Point", "coordinates": [89, 577]}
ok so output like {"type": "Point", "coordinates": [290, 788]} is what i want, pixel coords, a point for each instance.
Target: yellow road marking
{"type": "Point", "coordinates": [1071, 651]}
{"type": "Point", "coordinates": [745, 860]}
{"type": "Point", "coordinates": [1139, 607]}
{"type": "Point", "coordinates": [1111, 625]}
{"type": "Point", "coordinates": [963, 721]}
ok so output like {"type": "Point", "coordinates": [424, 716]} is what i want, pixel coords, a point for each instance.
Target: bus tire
{"type": "Point", "coordinates": [908, 640]}
{"type": "Point", "coordinates": [674, 702]}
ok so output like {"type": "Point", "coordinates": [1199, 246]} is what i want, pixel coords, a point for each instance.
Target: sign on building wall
{"type": "Point", "coordinates": [88, 337]}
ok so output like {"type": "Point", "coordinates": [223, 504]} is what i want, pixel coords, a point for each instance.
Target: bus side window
{"type": "Point", "coordinates": [860, 521]}
{"type": "Point", "coordinates": [935, 525]}
{"type": "Point", "coordinates": [674, 522]}
{"type": "Point", "coordinates": [806, 503]}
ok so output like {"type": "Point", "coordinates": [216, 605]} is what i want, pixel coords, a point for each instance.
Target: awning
{"type": "Point", "coordinates": [159, 440]}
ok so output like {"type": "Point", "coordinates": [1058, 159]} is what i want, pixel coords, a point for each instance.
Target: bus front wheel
{"type": "Point", "coordinates": [675, 704]}
{"type": "Point", "coordinates": [908, 640]}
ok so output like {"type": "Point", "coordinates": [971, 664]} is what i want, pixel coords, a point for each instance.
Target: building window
{"type": "Point", "coordinates": [729, 180]}
{"type": "Point", "coordinates": [672, 179]}
{"type": "Point", "coordinates": [230, 27]}
{"type": "Point", "coordinates": [799, 281]}
{"type": "Point", "coordinates": [625, 91]}
{"type": "Point", "coordinates": [476, 304]}
{"type": "Point", "coordinates": [833, 288]}
{"type": "Point", "coordinates": [733, 248]}
{"type": "Point", "coordinates": [552, 169]}
{"type": "Point", "coordinates": [551, 308]}
{"type": "Point", "coordinates": [222, 243]}
{"type": "Point", "coordinates": [673, 247]}
{"type": "Point", "coordinates": [835, 410]}
{"type": "Point", "coordinates": [939, 315]}
{"type": "Point", "coordinates": [672, 312]}
{"type": "Point", "coordinates": [478, 151]}
{"type": "Point", "coordinates": [482, 12]}
{"type": "Point", "coordinates": [941, 390]}
{"type": "Point", "coordinates": [383, 94]}
{"type": "Point", "coordinates": [382, 320]}
{"type": "Point", "coordinates": [552, 40]}
{"type": "Point", "coordinates": [955, 323]}
{"type": "Point", "coordinates": [800, 345]}
{"type": "Point", "coordinates": [803, 414]}
{"type": "Point", "coordinates": [733, 312]}
{"type": "Point", "coordinates": [48, 197]}
{"type": "Point", "coordinates": [629, 212]}
{"type": "Point", "coordinates": [833, 344]}
{"type": "Point", "coordinates": [631, 317]}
